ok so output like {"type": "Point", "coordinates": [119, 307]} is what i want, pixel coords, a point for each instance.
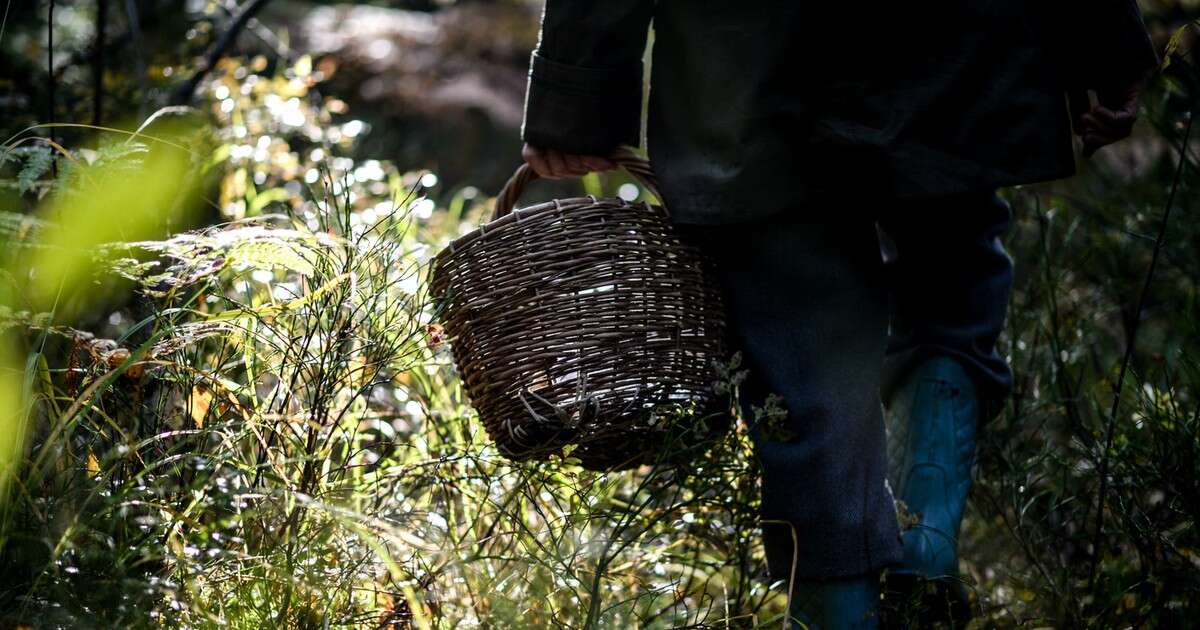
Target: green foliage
{"type": "Point", "coordinates": [31, 162]}
{"type": "Point", "coordinates": [279, 439]}
{"type": "Point", "coordinates": [1046, 548]}
{"type": "Point", "coordinates": [37, 163]}
{"type": "Point", "coordinates": [265, 429]}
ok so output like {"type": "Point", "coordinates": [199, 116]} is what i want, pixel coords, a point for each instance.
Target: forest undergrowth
{"type": "Point", "coordinates": [229, 402]}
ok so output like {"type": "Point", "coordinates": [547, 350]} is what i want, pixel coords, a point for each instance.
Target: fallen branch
{"type": "Point", "coordinates": [183, 94]}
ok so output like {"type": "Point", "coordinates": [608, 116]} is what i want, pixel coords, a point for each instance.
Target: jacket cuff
{"type": "Point", "coordinates": [582, 110]}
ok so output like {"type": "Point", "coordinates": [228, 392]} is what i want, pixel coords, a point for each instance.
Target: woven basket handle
{"type": "Point", "coordinates": [634, 164]}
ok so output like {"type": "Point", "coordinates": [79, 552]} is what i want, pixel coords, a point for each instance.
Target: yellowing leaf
{"type": "Point", "coordinates": [359, 372]}
{"type": "Point", "coordinates": [93, 464]}
{"type": "Point", "coordinates": [201, 402]}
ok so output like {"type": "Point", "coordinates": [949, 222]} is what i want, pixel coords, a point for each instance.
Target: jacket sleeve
{"type": "Point", "coordinates": [1137, 55]}
{"type": "Point", "coordinates": [584, 93]}
{"type": "Point", "coordinates": [1104, 43]}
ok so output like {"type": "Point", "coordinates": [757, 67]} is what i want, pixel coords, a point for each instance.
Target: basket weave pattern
{"type": "Point", "coordinates": [578, 321]}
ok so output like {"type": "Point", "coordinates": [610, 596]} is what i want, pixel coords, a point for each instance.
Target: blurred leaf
{"type": "Point", "coordinates": [118, 199]}
{"type": "Point", "coordinates": [12, 415]}
{"type": "Point", "coordinates": [93, 464]}
{"type": "Point", "coordinates": [265, 198]}
{"type": "Point", "coordinates": [201, 402]}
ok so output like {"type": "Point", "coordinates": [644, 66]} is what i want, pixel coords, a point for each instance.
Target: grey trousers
{"type": "Point", "coordinates": [830, 306]}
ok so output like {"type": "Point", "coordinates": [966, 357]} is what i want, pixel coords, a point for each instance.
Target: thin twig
{"type": "Point", "coordinates": [4, 20]}
{"type": "Point", "coordinates": [139, 54]}
{"type": "Point", "coordinates": [98, 62]}
{"type": "Point", "coordinates": [51, 80]}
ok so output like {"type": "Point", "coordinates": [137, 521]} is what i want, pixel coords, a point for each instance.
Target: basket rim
{"type": "Point", "coordinates": [536, 210]}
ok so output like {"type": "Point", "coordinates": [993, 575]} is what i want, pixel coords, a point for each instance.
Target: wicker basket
{"type": "Point", "coordinates": [583, 321]}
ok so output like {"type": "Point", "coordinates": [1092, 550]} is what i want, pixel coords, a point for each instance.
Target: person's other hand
{"type": "Point", "coordinates": [1110, 120]}
{"type": "Point", "coordinates": [555, 164]}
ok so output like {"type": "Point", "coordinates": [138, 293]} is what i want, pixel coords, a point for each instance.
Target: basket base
{"type": "Point", "coordinates": [645, 438]}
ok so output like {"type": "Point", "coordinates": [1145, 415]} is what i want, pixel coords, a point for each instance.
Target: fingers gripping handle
{"type": "Point", "coordinates": [624, 157]}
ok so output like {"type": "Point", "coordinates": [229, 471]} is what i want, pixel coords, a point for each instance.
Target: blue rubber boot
{"type": "Point", "coordinates": [932, 427]}
{"type": "Point", "coordinates": [839, 604]}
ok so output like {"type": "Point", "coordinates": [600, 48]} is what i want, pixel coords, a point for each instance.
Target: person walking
{"type": "Point", "coordinates": [840, 163]}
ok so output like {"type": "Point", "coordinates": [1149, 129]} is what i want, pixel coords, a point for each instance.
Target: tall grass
{"type": "Point", "coordinates": [276, 438]}
{"type": "Point", "coordinates": [261, 427]}
{"type": "Point", "coordinates": [1084, 511]}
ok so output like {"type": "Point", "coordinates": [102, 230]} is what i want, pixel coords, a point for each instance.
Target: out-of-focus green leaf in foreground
{"type": "Point", "coordinates": [12, 416]}
{"type": "Point", "coordinates": [119, 201]}
{"type": "Point", "coordinates": [139, 191]}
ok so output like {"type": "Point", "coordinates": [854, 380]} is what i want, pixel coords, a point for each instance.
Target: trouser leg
{"type": "Point", "coordinates": [950, 278]}
{"type": "Point", "coordinates": [807, 305]}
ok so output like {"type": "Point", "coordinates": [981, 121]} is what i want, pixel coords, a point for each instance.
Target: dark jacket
{"type": "Point", "coordinates": [759, 105]}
